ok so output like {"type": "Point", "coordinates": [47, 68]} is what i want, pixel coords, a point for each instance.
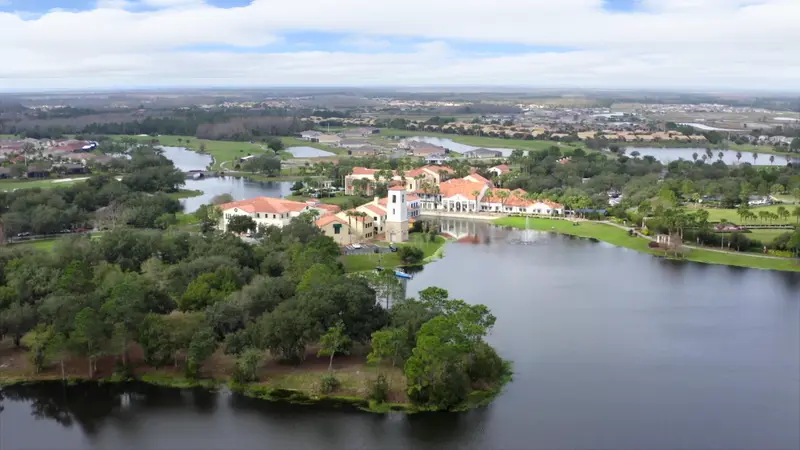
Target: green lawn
{"type": "Point", "coordinates": [480, 141]}
{"type": "Point", "coordinates": [359, 263]}
{"type": "Point", "coordinates": [49, 243]}
{"type": "Point", "coordinates": [47, 183]}
{"type": "Point", "coordinates": [766, 235]}
{"type": "Point", "coordinates": [619, 237]}
{"type": "Point", "coordinates": [717, 214]}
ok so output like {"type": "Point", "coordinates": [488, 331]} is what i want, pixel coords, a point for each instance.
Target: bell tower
{"type": "Point", "coordinates": [397, 215]}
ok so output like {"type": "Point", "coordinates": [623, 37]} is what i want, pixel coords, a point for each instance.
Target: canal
{"type": "Point", "coordinates": [611, 349]}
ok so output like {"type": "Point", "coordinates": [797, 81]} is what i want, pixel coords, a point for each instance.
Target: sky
{"type": "Point", "coordinates": [617, 44]}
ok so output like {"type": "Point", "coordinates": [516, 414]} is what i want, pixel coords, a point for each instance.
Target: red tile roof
{"type": "Point", "coordinates": [364, 171]}
{"type": "Point", "coordinates": [461, 187]}
{"type": "Point", "coordinates": [375, 209]}
{"type": "Point", "coordinates": [265, 204]}
{"type": "Point", "coordinates": [502, 168]}
{"type": "Point", "coordinates": [323, 221]}
{"type": "Point", "coordinates": [397, 188]}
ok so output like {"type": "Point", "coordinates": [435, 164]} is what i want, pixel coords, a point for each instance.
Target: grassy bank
{"type": "Point", "coordinates": [359, 263]}
{"type": "Point", "coordinates": [220, 150]}
{"type": "Point", "coordinates": [185, 193]}
{"type": "Point", "coordinates": [481, 141]}
{"type": "Point", "coordinates": [46, 183]}
{"type": "Point", "coordinates": [620, 237]}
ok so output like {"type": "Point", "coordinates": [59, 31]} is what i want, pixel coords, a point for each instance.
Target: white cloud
{"type": "Point", "coordinates": [670, 43]}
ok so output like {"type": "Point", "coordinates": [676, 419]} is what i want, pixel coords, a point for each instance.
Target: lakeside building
{"type": "Point", "coordinates": [270, 211]}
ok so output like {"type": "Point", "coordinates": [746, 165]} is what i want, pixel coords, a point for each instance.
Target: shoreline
{"type": "Point", "coordinates": [476, 398]}
{"type": "Point", "coordinates": [619, 237]}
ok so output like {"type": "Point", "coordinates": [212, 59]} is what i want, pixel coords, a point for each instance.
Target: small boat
{"type": "Point", "coordinates": [400, 274]}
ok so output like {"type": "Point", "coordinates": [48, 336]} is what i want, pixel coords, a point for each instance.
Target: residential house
{"type": "Point", "coordinates": [5, 172]}
{"type": "Point", "coordinates": [267, 211]}
{"type": "Point", "coordinates": [335, 228]}
{"type": "Point", "coordinates": [427, 175]}
{"type": "Point", "coordinates": [483, 153]}
{"type": "Point", "coordinates": [438, 159]}
{"type": "Point", "coordinates": [427, 150]}
{"type": "Point", "coordinates": [500, 170]}
{"type": "Point", "coordinates": [330, 139]}
{"type": "Point", "coordinates": [310, 135]}
{"type": "Point", "coordinates": [74, 169]}
{"type": "Point", "coordinates": [352, 143]}
{"type": "Point", "coordinates": [378, 213]}
{"type": "Point", "coordinates": [360, 132]}
{"type": "Point", "coordinates": [364, 150]}
{"type": "Point", "coordinates": [37, 172]}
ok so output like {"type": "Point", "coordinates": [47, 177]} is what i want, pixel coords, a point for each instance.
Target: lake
{"type": "Point", "coordinates": [239, 188]}
{"type": "Point", "coordinates": [668, 154]}
{"type": "Point", "coordinates": [187, 160]}
{"type": "Point", "coordinates": [611, 349]}
{"type": "Point", "coordinates": [308, 152]}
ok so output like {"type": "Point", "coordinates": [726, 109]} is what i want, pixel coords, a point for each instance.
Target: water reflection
{"type": "Point", "coordinates": [239, 188]}
{"type": "Point", "coordinates": [308, 152]}
{"type": "Point", "coordinates": [667, 154]}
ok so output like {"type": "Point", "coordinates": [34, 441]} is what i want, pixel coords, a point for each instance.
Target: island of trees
{"type": "Point", "coordinates": [280, 316]}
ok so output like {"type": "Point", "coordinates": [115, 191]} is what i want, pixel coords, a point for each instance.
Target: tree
{"type": "Point", "coordinates": [783, 213]}
{"type": "Point", "coordinates": [410, 254]}
{"type": "Point", "coordinates": [796, 213]}
{"type": "Point", "coordinates": [447, 347]}
{"type": "Point", "coordinates": [202, 346]}
{"type": "Point", "coordinates": [89, 336]}
{"type": "Point", "coordinates": [738, 156]}
{"type": "Point", "coordinates": [694, 156]}
{"type": "Point", "coordinates": [755, 157]}
{"type": "Point", "coordinates": [248, 365]}
{"type": "Point", "coordinates": [334, 341]}
{"type": "Point", "coordinates": [241, 224]}
{"type": "Point", "coordinates": [795, 144]}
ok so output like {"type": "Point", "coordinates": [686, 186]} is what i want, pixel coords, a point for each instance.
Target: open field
{"type": "Point", "coordinates": [730, 215]}
{"type": "Point", "coordinates": [766, 235]}
{"type": "Point", "coordinates": [47, 183]}
{"type": "Point", "coordinates": [620, 237]}
{"type": "Point", "coordinates": [480, 141]}
{"type": "Point", "coordinates": [359, 263]}
{"type": "Point", "coordinates": [220, 150]}
{"type": "Point", "coordinates": [49, 243]}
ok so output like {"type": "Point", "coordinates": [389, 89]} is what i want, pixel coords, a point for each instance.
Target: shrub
{"type": "Point", "coordinates": [328, 384]}
{"type": "Point", "coordinates": [653, 244]}
{"type": "Point", "coordinates": [379, 389]}
{"type": "Point", "coordinates": [410, 254]}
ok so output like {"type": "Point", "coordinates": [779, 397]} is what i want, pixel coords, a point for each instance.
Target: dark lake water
{"type": "Point", "coordinates": [611, 349]}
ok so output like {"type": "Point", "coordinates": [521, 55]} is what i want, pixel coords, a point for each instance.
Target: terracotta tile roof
{"type": "Point", "coordinates": [375, 209]}
{"type": "Point", "coordinates": [321, 222]}
{"type": "Point", "coordinates": [478, 178]}
{"type": "Point", "coordinates": [461, 187]}
{"type": "Point", "coordinates": [265, 204]}
{"type": "Point", "coordinates": [330, 208]}
{"type": "Point", "coordinates": [364, 171]}
{"type": "Point", "coordinates": [412, 197]}
{"type": "Point", "coordinates": [397, 188]}
{"type": "Point", "coordinates": [502, 168]}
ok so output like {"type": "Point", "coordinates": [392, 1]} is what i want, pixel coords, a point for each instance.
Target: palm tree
{"type": "Point", "coordinates": [755, 157]}
{"type": "Point", "coordinates": [720, 155]}
{"type": "Point", "coordinates": [709, 153]}
{"type": "Point", "coordinates": [738, 156]}
{"type": "Point", "coordinates": [771, 159]}
{"type": "Point", "coordinates": [783, 213]}
{"type": "Point", "coordinates": [796, 213]}
{"type": "Point", "coordinates": [763, 215]}
{"type": "Point", "coordinates": [695, 156]}
{"type": "Point", "coordinates": [503, 195]}
{"type": "Point", "coordinates": [705, 157]}
{"type": "Point", "coordinates": [476, 194]}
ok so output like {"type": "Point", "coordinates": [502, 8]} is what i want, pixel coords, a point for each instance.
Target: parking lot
{"type": "Point", "coordinates": [365, 249]}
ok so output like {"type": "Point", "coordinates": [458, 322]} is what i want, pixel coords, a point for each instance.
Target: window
{"type": "Point", "coordinates": [337, 228]}
{"type": "Point", "coordinates": [274, 216]}
{"type": "Point", "coordinates": [258, 215]}
{"type": "Point", "coordinates": [394, 198]}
